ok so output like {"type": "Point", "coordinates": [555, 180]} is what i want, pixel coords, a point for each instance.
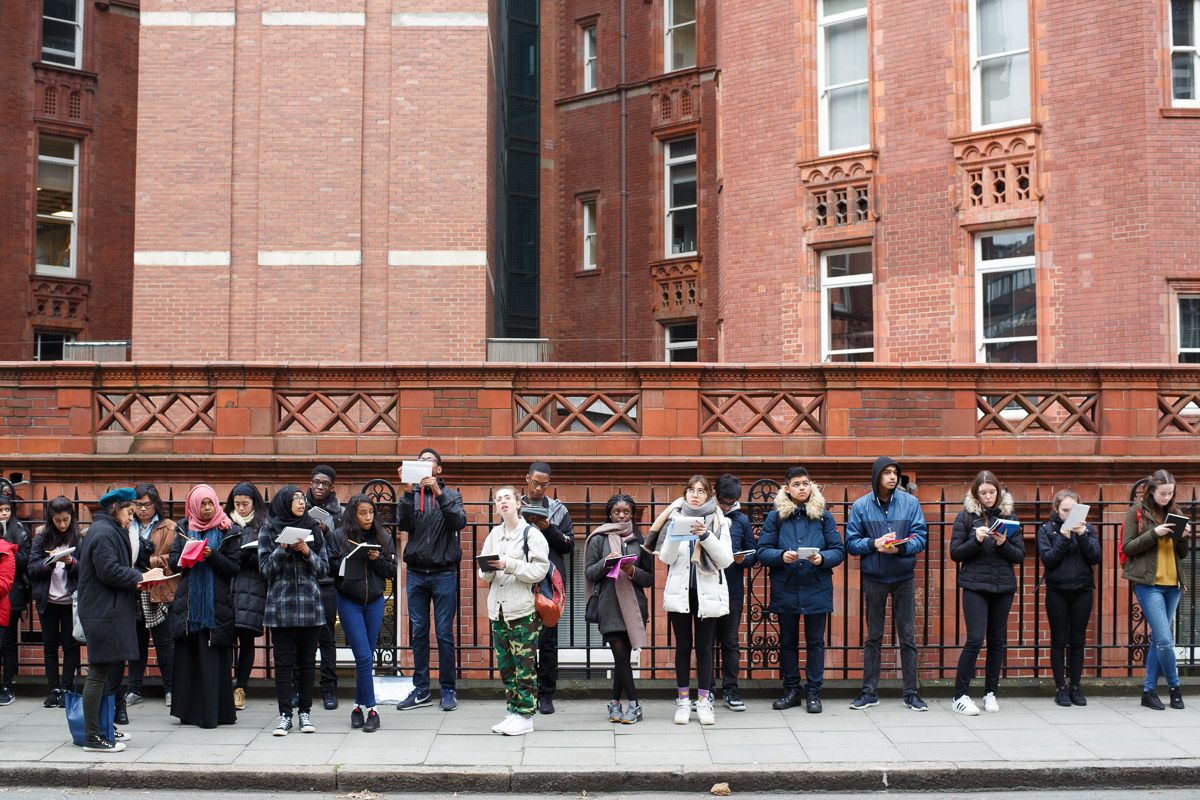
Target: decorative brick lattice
{"type": "Point", "coordinates": [766, 413]}
{"type": "Point", "coordinates": [1179, 410]}
{"type": "Point", "coordinates": [996, 169]}
{"type": "Point", "coordinates": [155, 412]}
{"type": "Point", "coordinates": [337, 412]}
{"type": "Point", "coordinates": [1054, 412]}
{"type": "Point", "coordinates": [582, 412]}
{"type": "Point", "coordinates": [677, 289]}
{"type": "Point", "coordinates": [840, 190]}
{"type": "Point", "coordinates": [675, 100]}
{"type": "Point", "coordinates": [66, 97]}
{"type": "Point", "coordinates": [61, 302]}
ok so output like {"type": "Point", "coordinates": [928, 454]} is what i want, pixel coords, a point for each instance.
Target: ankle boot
{"type": "Point", "coordinates": [1150, 700]}
{"type": "Point", "coordinates": [121, 715]}
{"type": "Point", "coordinates": [1077, 698]}
{"type": "Point", "coordinates": [1177, 697]}
{"type": "Point", "coordinates": [1062, 697]}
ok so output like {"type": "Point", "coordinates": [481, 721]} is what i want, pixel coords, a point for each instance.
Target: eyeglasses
{"type": "Point", "coordinates": [537, 484]}
{"type": "Point", "coordinates": [143, 506]}
{"type": "Point", "coordinates": [317, 483]}
{"type": "Point", "coordinates": [697, 490]}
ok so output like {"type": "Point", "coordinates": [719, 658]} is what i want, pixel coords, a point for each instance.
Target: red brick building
{"type": "Point", "coordinates": [68, 108]}
{"type": "Point", "coordinates": [313, 183]}
{"type": "Point", "coordinates": [999, 180]}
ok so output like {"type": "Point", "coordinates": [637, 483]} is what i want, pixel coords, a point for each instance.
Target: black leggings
{"type": "Point", "coordinates": [1068, 611]}
{"type": "Point", "coordinates": [245, 657]}
{"type": "Point", "coordinates": [987, 615]}
{"type": "Point", "coordinates": [622, 651]}
{"type": "Point", "coordinates": [56, 632]}
{"type": "Point", "coordinates": [683, 626]}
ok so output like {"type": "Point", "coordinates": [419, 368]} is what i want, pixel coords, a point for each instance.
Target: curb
{"type": "Point", "coordinates": [910, 777]}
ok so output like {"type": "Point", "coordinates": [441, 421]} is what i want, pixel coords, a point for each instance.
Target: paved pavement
{"type": "Point", "coordinates": [1113, 742]}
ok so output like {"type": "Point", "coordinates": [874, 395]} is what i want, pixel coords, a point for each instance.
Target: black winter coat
{"type": "Point", "coordinates": [611, 619]}
{"type": "Point", "coordinates": [433, 524]}
{"type": "Point", "coordinates": [365, 580]}
{"type": "Point", "coordinates": [985, 566]}
{"type": "Point", "coordinates": [248, 587]}
{"type": "Point", "coordinates": [224, 562]}
{"type": "Point", "coordinates": [108, 597]}
{"type": "Point", "coordinates": [39, 573]}
{"type": "Point", "coordinates": [1068, 560]}
{"type": "Point", "coordinates": [19, 594]}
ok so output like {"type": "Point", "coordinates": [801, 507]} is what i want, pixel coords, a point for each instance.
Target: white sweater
{"type": "Point", "coordinates": [511, 591]}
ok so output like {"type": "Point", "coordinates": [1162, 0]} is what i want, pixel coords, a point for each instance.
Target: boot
{"type": "Point", "coordinates": [1177, 697]}
{"type": "Point", "coordinates": [121, 716]}
{"type": "Point", "coordinates": [790, 699]}
{"type": "Point", "coordinates": [1062, 697]}
{"type": "Point", "coordinates": [1077, 698]}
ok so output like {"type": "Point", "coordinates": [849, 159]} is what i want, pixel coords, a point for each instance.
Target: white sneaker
{"type": "Point", "coordinates": [683, 711]}
{"type": "Point", "coordinates": [499, 726]}
{"type": "Point", "coordinates": [989, 703]}
{"type": "Point", "coordinates": [704, 710]}
{"type": "Point", "coordinates": [518, 726]}
{"type": "Point", "coordinates": [965, 706]}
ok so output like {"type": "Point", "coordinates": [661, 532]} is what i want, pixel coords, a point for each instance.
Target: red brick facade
{"type": "Point", "coordinates": [313, 184]}
{"type": "Point", "coordinates": [95, 105]}
{"type": "Point", "coordinates": [1105, 173]}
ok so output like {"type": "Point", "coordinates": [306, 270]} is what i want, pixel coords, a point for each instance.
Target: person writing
{"type": "Point", "coordinates": [54, 573]}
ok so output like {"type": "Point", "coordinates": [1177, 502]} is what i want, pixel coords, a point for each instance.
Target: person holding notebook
{"type": "Point", "coordinates": [54, 573]}
{"type": "Point", "coordinates": [365, 561]}
{"type": "Point", "coordinates": [729, 627]}
{"type": "Point", "coordinates": [158, 533]}
{"type": "Point", "coordinates": [245, 506]}
{"type": "Point", "coordinates": [1154, 548]}
{"type": "Point", "coordinates": [321, 495]}
{"type": "Point", "coordinates": [1069, 556]}
{"type": "Point", "coordinates": [987, 544]}
{"type": "Point", "coordinates": [202, 613]}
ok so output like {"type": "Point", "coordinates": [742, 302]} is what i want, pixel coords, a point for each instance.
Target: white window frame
{"type": "Point", "coordinates": [976, 67]}
{"type": "Point", "coordinates": [823, 23]}
{"type": "Point", "coordinates": [591, 63]}
{"type": "Point", "coordinates": [1194, 49]}
{"type": "Point", "coordinates": [668, 164]}
{"type": "Point", "coordinates": [53, 269]}
{"type": "Point", "coordinates": [37, 341]}
{"type": "Point", "coordinates": [588, 209]}
{"type": "Point", "coordinates": [1179, 348]}
{"type": "Point", "coordinates": [841, 282]}
{"type": "Point", "coordinates": [670, 346]}
{"type": "Point", "coordinates": [994, 266]}
{"type": "Point", "coordinates": [77, 56]}
{"type": "Point", "coordinates": [669, 28]}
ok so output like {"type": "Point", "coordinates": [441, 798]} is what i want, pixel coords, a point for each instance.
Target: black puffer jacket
{"type": "Point", "coordinates": [1068, 560]}
{"type": "Point", "coordinates": [985, 566]}
{"type": "Point", "coordinates": [365, 579]}
{"type": "Point", "coordinates": [19, 594]}
{"type": "Point", "coordinates": [39, 573]}
{"type": "Point", "coordinates": [248, 587]}
{"type": "Point", "coordinates": [224, 563]}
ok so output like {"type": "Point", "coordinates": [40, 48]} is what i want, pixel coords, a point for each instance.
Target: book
{"type": "Point", "coordinates": [1075, 517]}
{"type": "Point", "coordinates": [743, 553]}
{"type": "Point", "coordinates": [485, 562]}
{"type": "Point", "coordinates": [154, 576]}
{"type": "Point", "coordinates": [1177, 522]}
{"type": "Point", "coordinates": [321, 515]}
{"type": "Point", "coordinates": [415, 471]}
{"type": "Point", "coordinates": [616, 562]}
{"type": "Point", "coordinates": [680, 529]}
{"type": "Point", "coordinates": [1005, 527]}
{"type": "Point", "coordinates": [896, 542]}
{"type": "Point", "coordinates": [805, 552]}
{"type": "Point", "coordinates": [360, 551]}
{"type": "Point", "coordinates": [534, 511]}
{"type": "Point", "coordinates": [251, 543]}
{"type": "Point", "coordinates": [291, 535]}
{"type": "Point", "coordinates": [192, 553]}
{"type": "Point", "coordinates": [58, 555]}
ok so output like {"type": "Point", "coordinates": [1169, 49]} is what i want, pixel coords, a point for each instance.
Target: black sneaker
{"type": "Point", "coordinates": [915, 703]}
{"type": "Point", "coordinates": [98, 744]}
{"type": "Point", "coordinates": [1150, 700]}
{"type": "Point", "coordinates": [790, 699]}
{"type": "Point", "coordinates": [1077, 698]}
{"type": "Point", "coordinates": [284, 726]}
{"type": "Point", "coordinates": [449, 700]}
{"type": "Point", "coordinates": [545, 705]}
{"type": "Point", "coordinates": [733, 700]}
{"type": "Point", "coordinates": [6, 696]}
{"type": "Point", "coordinates": [1062, 697]}
{"type": "Point", "coordinates": [54, 699]}
{"type": "Point", "coordinates": [1177, 698]}
{"type": "Point", "coordinates": [331, 701]}
{"type": "Point", "coordinates": [416, 698]}
{"type": "Point", "coordinates": [356, 718]}
{"type": "Point", "coordinates": [813, 704]}
{"type": "Point", "coordinates": [372, 723]}
{"type": "Point", "coordinates": [864, 700]}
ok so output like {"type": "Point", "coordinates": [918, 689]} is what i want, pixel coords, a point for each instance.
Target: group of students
{"type": "Point", "coordinates": [206, 587]}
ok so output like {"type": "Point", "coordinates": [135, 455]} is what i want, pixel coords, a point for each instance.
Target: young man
{"type": "Point", "coordinates": [320, 494]}
{"type": "Point", "coordinates": [433, 515]}
{"type": "Point", "coordinates": [19, 594]}
{"type": "Point", "coordinates": [887, 529]}
{"type": "Point", "coordinates": [729, 492]}
{"type": "Point", "coordinates": [556, 528]}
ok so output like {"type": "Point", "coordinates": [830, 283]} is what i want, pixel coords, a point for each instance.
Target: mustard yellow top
{"type": "Point", "coordinates": [1166, 574]}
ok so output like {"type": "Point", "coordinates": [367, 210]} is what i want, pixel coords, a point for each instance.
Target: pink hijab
{"type": "Point", "coordinates": [196, 496]}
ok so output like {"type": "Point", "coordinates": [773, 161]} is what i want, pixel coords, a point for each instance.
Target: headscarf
{"type": "Point", "coordinates": [195, 497]}
{"type": "Point", "coordinates": [617, 534]}
{"type": "Point", "coordinates": [281, 508]}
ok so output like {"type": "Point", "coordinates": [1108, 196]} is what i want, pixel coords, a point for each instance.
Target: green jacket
{"type": "Point", "coordinates": [1140, 544]}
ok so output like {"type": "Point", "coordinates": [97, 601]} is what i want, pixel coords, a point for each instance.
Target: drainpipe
{"type": "Point", "coordinates": [624, 198]}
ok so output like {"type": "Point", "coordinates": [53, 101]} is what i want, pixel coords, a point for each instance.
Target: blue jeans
{"type": "Point", "coordinates": [361, 625]}
{"type": "Point", "coordinates": [789, 650]}
{"type": "Point", "coordinates": [440, 588]}
{"type": "Point", "coordinates": [1159, 604]}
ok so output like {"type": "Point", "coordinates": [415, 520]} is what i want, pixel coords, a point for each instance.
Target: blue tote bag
{"type": "Point", "coordinates": [74, 703]}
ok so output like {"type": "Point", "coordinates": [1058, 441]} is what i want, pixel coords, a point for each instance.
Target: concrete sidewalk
{"type": "Point", "coordinates": [1113, 742]}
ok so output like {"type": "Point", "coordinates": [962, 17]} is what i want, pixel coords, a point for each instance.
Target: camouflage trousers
{"type": "Point", "coordinates": [516, 644]}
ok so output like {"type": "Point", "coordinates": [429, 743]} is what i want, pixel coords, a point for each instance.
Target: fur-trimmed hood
{"type": "Point", "coordinates": [1005, 506]}
{"type": "Point", "coordinates": [815, 505]}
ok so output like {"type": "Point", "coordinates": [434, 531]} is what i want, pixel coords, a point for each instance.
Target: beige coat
{"type": "Point", "coordinates": [511, 592]}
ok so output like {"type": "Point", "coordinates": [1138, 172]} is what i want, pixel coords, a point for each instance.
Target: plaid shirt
{"type": "Point", "coordinates": [293, 588]}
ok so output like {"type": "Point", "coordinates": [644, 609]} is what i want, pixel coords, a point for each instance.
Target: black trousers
{"type": "Point", "coordinates": [164, 653]}
{"type": "Point", "coordinates": [547, 661]}
{"type": "Point", "coordinates": [94, 689]}
{"type": "Point", "coordinates": [8, 647]}
{"type": "Point", "coordinates": [295, 655]}
{"type": "Point", "coordinates": [987, 615]}
{"type": "Point", "coordinates": [56, 632]}
{"type": "Point", "coordinates": [690, 632]}
{"type": "Point", "coordinates": [245, 657]}
{"type": "Point", "coordinates": [728, 636]}
{"type": "Point", "coordinates": [327, 641]}
{"type": "Point", "coordinates": [1068, 611]}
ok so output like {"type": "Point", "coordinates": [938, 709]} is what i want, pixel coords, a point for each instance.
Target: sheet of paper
{"type": "Point", "coordinates": [1075, 516]}
{"type": "Point", "coordinates": [59, 555]}
{"type": "Point", "coordinates": [290, 535]}
{"type": "Point", "coordinates": [680, 529]}
{"type": "Point", "coordinates": [415, 471]}
{"type": "Point", "coordinates": [320, 515]}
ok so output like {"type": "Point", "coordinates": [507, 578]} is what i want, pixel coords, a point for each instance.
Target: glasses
{"type": "Point", "coordinates": [697, 490]}
{"type": "Point", "coordinates": [537, 484]}
{"type": "Point", "coordinates": [143, 506]}
{"type": "Point", "coordinates": [427, 459]}
{"type": "Point", "coordinates": [317, 483]}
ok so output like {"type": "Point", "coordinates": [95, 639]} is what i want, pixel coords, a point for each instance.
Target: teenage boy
{"type": "Point", "coordinates": [556, 528]}
{"type": "Point", "coordinates": [321, 494]}
{"type": "Point", "coordinates": [729, 492]}
{"type": "Point", "coordinates": [433, 515]}
{"type": "Point", "coordinates": [887, 529]}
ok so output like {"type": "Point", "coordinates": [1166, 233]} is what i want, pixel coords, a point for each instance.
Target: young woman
{"type": "Point", "coordinates": [294, 611]}
{"type": "Point", "coordinates": [696, 594]}
{"type": "Point", "coordinates": [151, 524]}
{"type": "Point", "coordinates": [18, 595]}
{"type": "Point", "coordinates": [53, 584]}
{"type": "Point", "coordinates": [985, 574]}
{"type": "Point", "coordinates": [203, 614]}
{"type": "Point", "coordinates": [246, 508]}
{"type": "Point", "coordinates": [1155, 569]}
{"type": "Point", "coordinates": [1069, 556]}
{"type": "Point", "coordinates": [620, 601]}
{"type": "Point", "coordinates": [361, 578]}
{"type": "Point", "coordinates": [801, 586]}
{"type": "Point", "coordinates": [520, 560]}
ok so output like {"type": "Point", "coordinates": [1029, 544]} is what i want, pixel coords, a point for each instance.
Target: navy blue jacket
{"type": "Point", "coordinates": [868, 522]}
{"type": "Point", "coordinates": [741, 537]}
{"type": "Point", "coordinates": [800, 587]}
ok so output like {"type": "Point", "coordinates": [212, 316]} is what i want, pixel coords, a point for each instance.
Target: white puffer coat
{"type": "Point", "coordinates": [711, 589]}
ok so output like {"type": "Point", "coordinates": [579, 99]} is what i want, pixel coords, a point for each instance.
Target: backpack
{"type": "Point", "coordinates": [549, 595]}
{"type": "Point", "coordinates": [1121, 557]}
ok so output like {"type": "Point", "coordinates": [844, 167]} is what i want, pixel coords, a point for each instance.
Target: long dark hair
{"type": "Point", "coordinates": [52, 537]}
{"type": "Point", "coordinates": [1153, 482]}
{"type": "Point", "coordinates": [350, 522]}
{"type": "Point", "coordinates": [149, 490]}
{"type": "Point", "coordinates": [987, 476]}
{"type": "Point", "coordinates": [247, 489]}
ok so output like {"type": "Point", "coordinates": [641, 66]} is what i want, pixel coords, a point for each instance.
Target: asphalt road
{"type": "Point", "coordinates": [17, 793]}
